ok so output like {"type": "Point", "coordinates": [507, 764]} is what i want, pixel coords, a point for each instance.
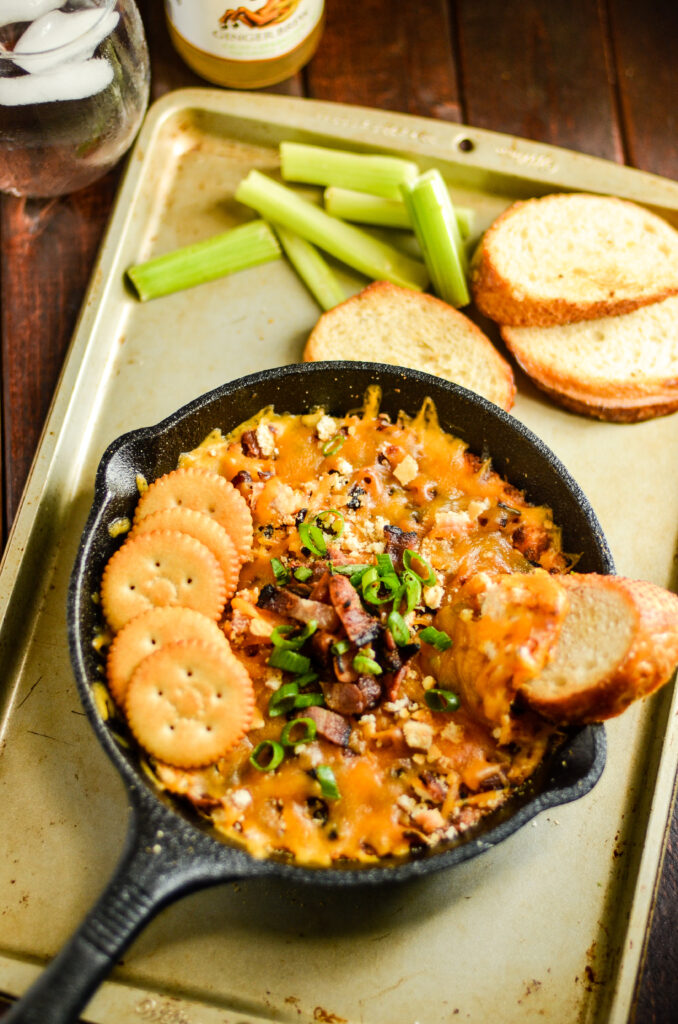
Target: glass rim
{"type": "Point", "coordinates": [10, 55]}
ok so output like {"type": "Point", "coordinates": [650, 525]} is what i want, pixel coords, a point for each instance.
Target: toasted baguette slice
{"type": "Point", "coordinates": [574, 649]}
{"type": "Point", "coordinates": [388, 324]}
{"type": "Point", "coordinates": [621, 368]}
{"type": "Point", "coordinates": [618, 643]}
{"type": "Point", "coordinates": [572, 256]}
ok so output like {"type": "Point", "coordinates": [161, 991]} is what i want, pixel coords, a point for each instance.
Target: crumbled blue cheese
{"type": "Point", "coordinates": [265, 440]}
{"type": "Point", "coordinates": [433, 596]}
{"type": "Point", "coordinates": [368, 724]}
{"type": "Point", "coordinates": [326, 428]}
{"type": "Point", "coordinates": [476, 507]}
{"type": "Point", "coordinates": [241, 798]}
{"type": "Point", "coordinates": [418, 735]}
{"type": "Point", "coordinates": [406, 470]}
{"type": "Point", "coordinates": [274, 680]}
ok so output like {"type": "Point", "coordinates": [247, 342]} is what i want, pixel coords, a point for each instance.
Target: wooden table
{"type": "Point", "coordinates": [599, 76]}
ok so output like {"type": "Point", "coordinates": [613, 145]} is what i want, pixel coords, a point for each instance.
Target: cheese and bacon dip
{"type": "Point", "coordinates": [367, 533]}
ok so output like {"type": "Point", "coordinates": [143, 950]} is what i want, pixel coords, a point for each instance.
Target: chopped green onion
{"type": "Point", "coordinates": [441, 700]}
{"type": "Point", "coordinates": [367, 666]}
{"type": "Point", "coordinates": [305, 679]}
{"type": "Point", "coordinates": [275, 753]}
{"type": "Point", "coordinates": [411, 559]}
{"type": "Point", "coordinates": [372, 585]}
{"type": "Point", "coordinates": [332, 446]}
{"type": "Point", "coordinates": [318, 165]}
{"type": "Point", "coordinates": [309, 700]}
{"type": "Point", "coordinates": [355, 578]}
{"type": "Point", "coordinates": [328, 783]}
{"type": "Point", "coordinates": [331, 521]}
{"type": "Point", "coordinates": [289, 661]}
{"type": "Point", "coordinates": [280, 637]}
{"type": "Point", "coordinates": [344, 241]}
{"type": "Point", "coordinates": [283, 699]}
{"type": "Point", "coordinates": [349, 570]}
{"type": "Point", "coordinates": [412, 591]}
{"type": "Point", "coordinates": [340, 647]}
{"type": "Point", "coordinates": [385, 566]}
{"type": "Point", "coordinates": [311, 537]}
{"type": "Point", "coordinates": [245, 246]}
{"type": "Point", "coordinates": [311, 267]}
{"type": "Point", "coordinates": [307, 736]}
{"type": "Point", "coordinates": [436, 637]}
{"type": "Point", "coordinates": [435, 225]}
{"type": "Point", "coordinates": [303, 573]}
{"type": "Point", "coordinates": [281, 573]}
{"type": "Point", "coordinates": [398, 628]}
{"type": "Point", "coordinates": [349, 204]}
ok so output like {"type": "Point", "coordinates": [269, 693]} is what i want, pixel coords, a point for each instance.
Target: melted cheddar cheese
{"type": "Point", "coordinates": [408, 776]}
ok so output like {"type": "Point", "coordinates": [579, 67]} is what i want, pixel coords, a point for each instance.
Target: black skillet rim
{"type": "Point", "coordinates": [574, 771]}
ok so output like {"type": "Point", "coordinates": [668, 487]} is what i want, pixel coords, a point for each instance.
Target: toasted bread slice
{"type": "Point", "coordinates": [572, 256]}
{"type": "Point", "coordinates": [388, 324]}
{"type": "Point", "coordinates": [621, 368]}
{"type": "Point", "coordinates": [618, 643]}
{"type": "Point", "coordinates": [574, 649]}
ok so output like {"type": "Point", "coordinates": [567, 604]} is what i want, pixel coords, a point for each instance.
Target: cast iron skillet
{"type": "Point", "coordinates": [169, 852]}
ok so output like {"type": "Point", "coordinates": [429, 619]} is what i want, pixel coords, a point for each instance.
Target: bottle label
{"type": "Point", "coordinates": [245, 30]}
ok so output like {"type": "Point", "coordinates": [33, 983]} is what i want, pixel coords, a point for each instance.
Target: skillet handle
{"type": "Point", "coordinates": [149, 875]}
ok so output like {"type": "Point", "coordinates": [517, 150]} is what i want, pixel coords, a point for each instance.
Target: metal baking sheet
{"type": "Point", "coordinates": [548, 925]}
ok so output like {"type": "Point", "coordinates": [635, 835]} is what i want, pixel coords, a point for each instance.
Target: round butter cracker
{"type": "Point", "coordinates": [161, 568]}
{"type": "Point", "coordinates": [205, 529]}
{"type": "Point", "coordinates": [189, 703]}
{"type": "Point", "coordinates": [149, 632]}
{"type": "Point", "coordinates": [206, 492]}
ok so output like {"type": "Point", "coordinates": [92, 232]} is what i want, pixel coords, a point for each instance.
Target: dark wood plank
{"type": "Point", "coordinates": [539, 70]}
{"type": "Point", "coordinates": [644, 38]}
{"type": "Point", "coordinates": [48, 247]}
{"type": "Point", "coordinates": [397, 56]}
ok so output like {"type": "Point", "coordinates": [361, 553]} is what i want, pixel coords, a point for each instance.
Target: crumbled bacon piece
{"type": "Point", "coordinates": [250, 444]}
{"type": "Point", "coordinates": [396, 541]}
{"type": "Point", "coordinates": [329, 724]}
{"type": "Point", "coordinates": [360, 626]}
{"type": "Point", "coordinates": [287, 603]}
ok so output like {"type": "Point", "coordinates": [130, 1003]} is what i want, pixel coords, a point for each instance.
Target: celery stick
{"type": "Point", "coordinates": [388, 213]}
{"type": "Point", "coordinates": [435, 225]}
{"type": "Point", "coordinates": [241, 247]}
{"type": "Point", "coordinates": [311, 268]}
{"type": "Point", "coordinates": [349, 244]}
{"type": "Point", "coordinates": [465, 219]}
{"type": "Point", "coordinates": [350, 204]}
{"type": "Point", "coordinates": [317, 165]}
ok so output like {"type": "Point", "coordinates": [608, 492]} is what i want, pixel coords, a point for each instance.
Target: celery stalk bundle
{"type": "Point", "coordinates": [364, 188]}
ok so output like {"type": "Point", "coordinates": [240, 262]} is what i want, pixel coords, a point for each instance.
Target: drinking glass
{"type": "Point", "coordinates": [74, 86]}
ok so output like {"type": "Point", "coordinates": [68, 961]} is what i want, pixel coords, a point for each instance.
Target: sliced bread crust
{"type": "Point", "coordinates": [621, 368]}
{"type": "Point", "coordinates": [618, 644]}
{"type": "Point", "coordinates": [567, 257]}
{"type": "Point", "coordinates": [388, 324]}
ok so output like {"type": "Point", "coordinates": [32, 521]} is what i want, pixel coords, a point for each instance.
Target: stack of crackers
{"type": "Point", "coordinates": [187, 698]}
